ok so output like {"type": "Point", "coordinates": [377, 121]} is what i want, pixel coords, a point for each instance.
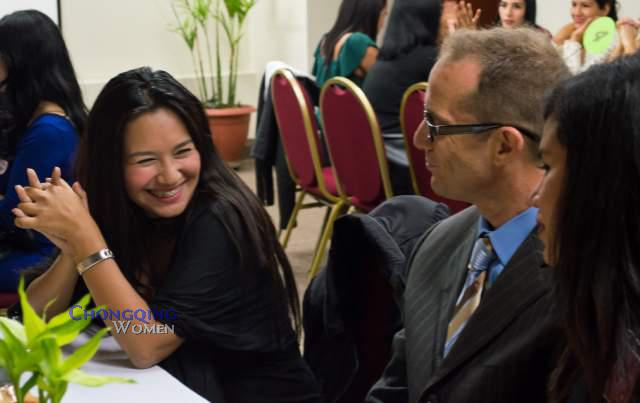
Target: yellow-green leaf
{"type": "Point", "coordinates": [33, 324]}
{"type": "Point", "coordinates": [83, 353]}
{"type": "Point", "coordinates": [82, 378]}
{"type": "Point", "coordinates": [16, 328]}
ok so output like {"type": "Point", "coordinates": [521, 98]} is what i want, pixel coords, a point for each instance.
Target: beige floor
{"type": "Point", "coordinates": [304, 237]}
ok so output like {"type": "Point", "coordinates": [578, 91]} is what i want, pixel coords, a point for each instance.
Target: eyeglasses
{"type": "Point", "coordinates": [449, 130]}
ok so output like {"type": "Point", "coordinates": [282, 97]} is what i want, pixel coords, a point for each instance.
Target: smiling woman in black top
{"type": "Point", "coordinates": [187, 236]}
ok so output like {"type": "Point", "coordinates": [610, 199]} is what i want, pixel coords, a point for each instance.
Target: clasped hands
{"type": "Point", "coordinates": [54, 208]}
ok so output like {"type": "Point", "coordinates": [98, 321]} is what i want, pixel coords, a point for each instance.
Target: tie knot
{"type": "Point", "coordinates": [482, 255]}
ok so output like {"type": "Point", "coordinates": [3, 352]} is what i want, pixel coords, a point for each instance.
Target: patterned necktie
{"type": "Point", "coordinates": [481, 257]}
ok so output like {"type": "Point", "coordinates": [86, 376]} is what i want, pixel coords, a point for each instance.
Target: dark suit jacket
{"type": "Point", "coordinates": [508, 347]}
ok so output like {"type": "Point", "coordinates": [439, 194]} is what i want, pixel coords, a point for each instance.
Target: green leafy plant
{"type": "Point", "coordinates": [193, 18]}
{"type": "Point", "coordinates": [33, 348]}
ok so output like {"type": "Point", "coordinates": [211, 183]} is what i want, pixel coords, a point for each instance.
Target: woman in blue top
{"type": "Point", "coordinates": [349, 48]}
{"type": "Point", "coordinates": [46, 114]}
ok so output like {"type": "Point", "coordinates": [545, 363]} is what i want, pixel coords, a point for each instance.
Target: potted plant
{"type": "Point", "coordinates": [228, 120]}
{"type": "Point", "coordinates": [33, 349]}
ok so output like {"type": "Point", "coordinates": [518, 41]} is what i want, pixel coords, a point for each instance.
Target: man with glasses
{"type": "Point", "coordinates": [476, 305]}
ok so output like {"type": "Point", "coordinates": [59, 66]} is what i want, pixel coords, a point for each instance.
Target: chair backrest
{"type": "Point", "coordinates": [411, 115]}
{"type": "Point", "coordinates": [298, 130]}
{"type": "Point", "coordinates": [352, 135]}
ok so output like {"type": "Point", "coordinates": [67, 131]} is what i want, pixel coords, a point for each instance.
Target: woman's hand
{"type": "Point", "coordinates": [578, 33]}
{"type": "Point", "coordinates": [58, 211]}
{"type": "Point", "coordinates": [466, 17]}
{"type": "Point", "coordinates": [564, 33]}
{"type": "Point", "coordinates": [628, 31]}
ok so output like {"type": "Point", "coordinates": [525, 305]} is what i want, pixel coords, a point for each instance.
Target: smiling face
{"type": "Point", "coordinates": [553, 159]}
{"type": "Point", "coordinates": [582, 10]}
{"type": "Point", "coordinates": [161, 163]}
{"type": "Point", "coordinates": [512, 13]}
{"type": "Point", "coordinates": [460, 165]}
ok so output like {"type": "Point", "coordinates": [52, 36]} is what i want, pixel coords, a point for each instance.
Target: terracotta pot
{"type": "Point", "coordinates": [229, 129]}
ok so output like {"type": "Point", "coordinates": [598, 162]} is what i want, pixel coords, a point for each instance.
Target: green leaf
{"type": "Point", "coordinates": [29, 384]}
{"type": "Point", "coordinates": [16, 328]}
{"type": "Point", "coordinates": [21, 359]}
{"type": "Point", "coordinates": [64, 328]}
{"type": "Point", "coordinates": [82, 378]}
{"type": "Point", "coordinates": [83, 353]}
{"type": "Point", "coordinates": [6, 358]}
{"type": "Point", "coordinates": [33, 324]}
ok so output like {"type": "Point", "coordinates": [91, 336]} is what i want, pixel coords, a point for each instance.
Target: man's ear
{"type": "Point", "coordinates": [509, 144]}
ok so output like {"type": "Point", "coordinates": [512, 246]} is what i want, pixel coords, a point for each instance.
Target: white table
{"type": "Point", "coordinates": [153, 385]}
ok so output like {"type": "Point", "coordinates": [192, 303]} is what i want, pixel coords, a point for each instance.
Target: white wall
{"type": "Point", "coordinates": [109, 37]}
{"type": "Point", "coordinates": [553, 14]}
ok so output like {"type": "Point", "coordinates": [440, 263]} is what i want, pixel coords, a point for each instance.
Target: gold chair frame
{"type": "Point", "coordinates": [421, 86]}
{"type": "Point", "coordinates": [336, 205]}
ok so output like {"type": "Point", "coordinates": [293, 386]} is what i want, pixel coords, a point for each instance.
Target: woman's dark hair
{"type": "Point", "coordinates": [613, 7]}
{"type": "Point", "coordinates": [353, 16]}
{"type": "Point", "coordinates": [597, 239]}
{"type": "Point", "coordinates": [411, 23]}
{"type": "Point", "coordinates": [125, 225]}
{"type": "Point", "coordinates": [529, 13]}
{"type": "Point", "coordinates": [39, 69]}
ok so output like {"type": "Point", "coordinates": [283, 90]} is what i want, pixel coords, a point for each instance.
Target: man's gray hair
{"type": "Point", "coordinates": [518, 66]}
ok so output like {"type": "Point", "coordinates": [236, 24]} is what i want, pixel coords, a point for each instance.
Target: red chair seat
{"type": "Point", "coordinates": [7, 299]}
{"type": "Point", "coordinates": [329, 182]}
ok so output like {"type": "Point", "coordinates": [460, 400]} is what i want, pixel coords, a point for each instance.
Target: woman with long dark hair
{"type": "Point", "coordinates": [349, 48]}
{"type": "Point", "coordinates": [408, 52]}
{"type": "Point", "coordinates": [517, 13]}
{"type": "Point", "coordinates": [43, 118]}
{"type": "Point", "coordinates": [170, 228]}
{"type": "Point", "coordinates": [589, 221]}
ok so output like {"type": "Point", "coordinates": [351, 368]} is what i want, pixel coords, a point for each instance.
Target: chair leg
{"type": "Point", "coordinates": [324, 225]}
{"type": "Point", "coordinates": [292, 219]}
{"type": "Point", "coordinates": [336, 211]}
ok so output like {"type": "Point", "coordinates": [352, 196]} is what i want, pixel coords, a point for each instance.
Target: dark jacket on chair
{"type": "Point", "coordinates": [268, 152]}
{"type": "Point", "coordinates": [351, 308]}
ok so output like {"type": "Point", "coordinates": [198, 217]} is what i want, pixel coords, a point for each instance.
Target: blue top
{"type": "Point", "coordinates": [50, 141]}
{"type": "Point", "coordinates": [507, 239]}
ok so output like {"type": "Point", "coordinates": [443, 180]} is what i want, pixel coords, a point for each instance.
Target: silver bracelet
{"type": "Point", "coordinates": [92, 260]}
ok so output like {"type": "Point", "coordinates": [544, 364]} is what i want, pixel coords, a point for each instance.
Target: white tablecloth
{"type": "Point", "coordinates": [153, 385]}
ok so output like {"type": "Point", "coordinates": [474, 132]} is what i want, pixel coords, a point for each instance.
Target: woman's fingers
{"type": "Point", "coordinates": [56, 176]}
{"type": "Point", "coordinates": [22, 194]}
{"type": "Point", "coordinates": [81, 193]}
{"type": "Point", "coordinates": [25, 222]}
{"type": "Point", "coordinates": [32, 176]}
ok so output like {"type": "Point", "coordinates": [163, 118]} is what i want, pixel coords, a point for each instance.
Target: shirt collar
{"type": "Point", "coordinates": [509, 236]}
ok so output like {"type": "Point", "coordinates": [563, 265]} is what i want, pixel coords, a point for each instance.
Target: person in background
{"type": "Point", "coordinates": [589, 222]}
{"type": "Point", "coordinates": [349, 48]}
{"type": "Point", "coordinates": [516, 13]}
{"type": "Point", "coordinates": [569, 38]}
{"type": "Point", "coordinates": [166, 225]}
{"type": "Point", "coordinates": [44, 119]}
{"type": "Point", "coordinates": [408, 52]}
{"type": "Point", "coordinates": [477, 321]}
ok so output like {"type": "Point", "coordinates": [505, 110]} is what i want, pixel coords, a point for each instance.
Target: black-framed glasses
{"type": "Point", "coordinates": [449, 130]}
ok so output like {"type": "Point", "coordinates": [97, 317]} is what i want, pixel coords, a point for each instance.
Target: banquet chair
{"type": "Point", "coordinates": [411, 115]}
{"type": "Point", "coordinates": [299, 135]}
{"type": "Point", "coordinates": [356, 147]}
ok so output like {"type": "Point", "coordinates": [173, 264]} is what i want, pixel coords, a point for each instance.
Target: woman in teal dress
{"type": "Point", "coordinates": [349, 48]}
